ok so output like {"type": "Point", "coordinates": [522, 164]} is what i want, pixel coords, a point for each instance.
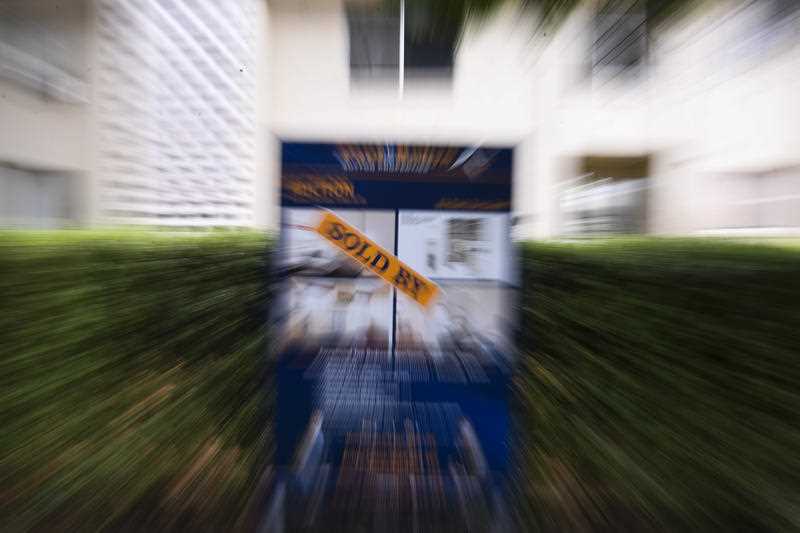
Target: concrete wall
{"type": "Point", "coordinates": [39, 132]}
{"type": "Point", "coordinates": [717, 96]}
{"type": "Point", "coordinates": [716, 110]}
{"type": "Point", "coordinates": [312, 94]}
{"type": "Point", "coordinates": [43, 95]}
{"type": "Point", "coordinates": [45, 109]}
{"type": "Point", "coordinates": [488, 100]}
{"type": "Point", "coordinates": [717, 106]}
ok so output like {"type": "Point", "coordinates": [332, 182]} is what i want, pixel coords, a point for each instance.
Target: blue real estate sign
{"type": "Point", "coordinates": [392, 408]}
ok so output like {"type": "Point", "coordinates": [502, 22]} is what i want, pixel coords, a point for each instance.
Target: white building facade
{"type": "Point", "coordinates": [171, 112]}
{"type": "Point", "coordinates": [176, 111]}
{"type": "Point", "coordinates": [694, 131]}
{"type": "Point", "coordinates": [135, 112]}
{"type": "Point", "coordinates": [621, 124]}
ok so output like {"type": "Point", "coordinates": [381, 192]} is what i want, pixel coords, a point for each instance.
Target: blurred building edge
{"type": "Point", "coordinates": [44, 111]}
{"type": "Point", "coordinates": [167, 112]}
{"type": "Point", "coordinates": [135, 112]}
{"type": "Point", "coordinates": [683, 126]}
{"type": "Point", "coordinates": [623, 122]}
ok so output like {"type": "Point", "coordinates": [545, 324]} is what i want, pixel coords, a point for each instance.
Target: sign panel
{"type": "Point", "coordinates": [363, 250]}
{"type": "Point", "coordinates": [398, 287]}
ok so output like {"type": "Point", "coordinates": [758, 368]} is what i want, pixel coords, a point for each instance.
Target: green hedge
{"type": "Point", "coordinates": [132, 369]}
{"type": "Point", "coordinates": [659, 387]}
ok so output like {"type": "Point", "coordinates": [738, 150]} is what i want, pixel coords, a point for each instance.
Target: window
{"type": "Point", "coordinates": [42, 46]}
{"type": "Point", "coordinates": [426, 46]}
{"type": "Point", "coordinates": [767, 202]}
{"type": "Point", "coordinates": [619, 47]}
{"type": "Point", "coordinates": [34, 199]}
{"type": "Point", "coordinates": [773, 25]}
{"type": "Point", "coordinates": [374, 41]}
{"type": "Point", "coordinates": [429, 42]}
{"type": "Point", "coordinates": [777, 198]}
{"type": "Point", "coordinates": [779, 12]}
{"type": "Point", "coordinates": [610, 197]}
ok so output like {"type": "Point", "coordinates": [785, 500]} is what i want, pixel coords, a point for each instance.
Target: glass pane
{"type": "Point", "coordinates": [430, 39]}
{"type": "Point", "coordinates": [374, 41]}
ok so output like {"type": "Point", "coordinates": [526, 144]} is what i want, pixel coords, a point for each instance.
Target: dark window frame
{"type": "Point", "coordinates": [428, 48]}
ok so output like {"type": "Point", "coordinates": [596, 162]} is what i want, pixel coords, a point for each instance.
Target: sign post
{"type": "Point", "coordinates": [397, 287]}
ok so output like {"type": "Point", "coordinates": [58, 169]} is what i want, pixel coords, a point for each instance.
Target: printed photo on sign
{"type": "Point", "coordinates": [456, 245]}
{"type": "Point", "coordinates": [338, 312]}
{"type": "Point", "coordinates": [305, 253]}
{"type": "Point", "coordinates": [469, 316]}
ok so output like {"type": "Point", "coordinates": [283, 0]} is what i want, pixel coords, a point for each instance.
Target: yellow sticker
{"type": "Point", "coordinates": [376, 259]}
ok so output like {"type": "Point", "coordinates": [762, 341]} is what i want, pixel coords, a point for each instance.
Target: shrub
{"type": "Point", "coordinates": [133, 368]}
{"type": "Point", "coordinates": [658, 386]}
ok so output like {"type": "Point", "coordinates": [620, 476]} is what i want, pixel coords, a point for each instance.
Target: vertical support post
{"type": "Point", "coordinates": [402, 59]}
